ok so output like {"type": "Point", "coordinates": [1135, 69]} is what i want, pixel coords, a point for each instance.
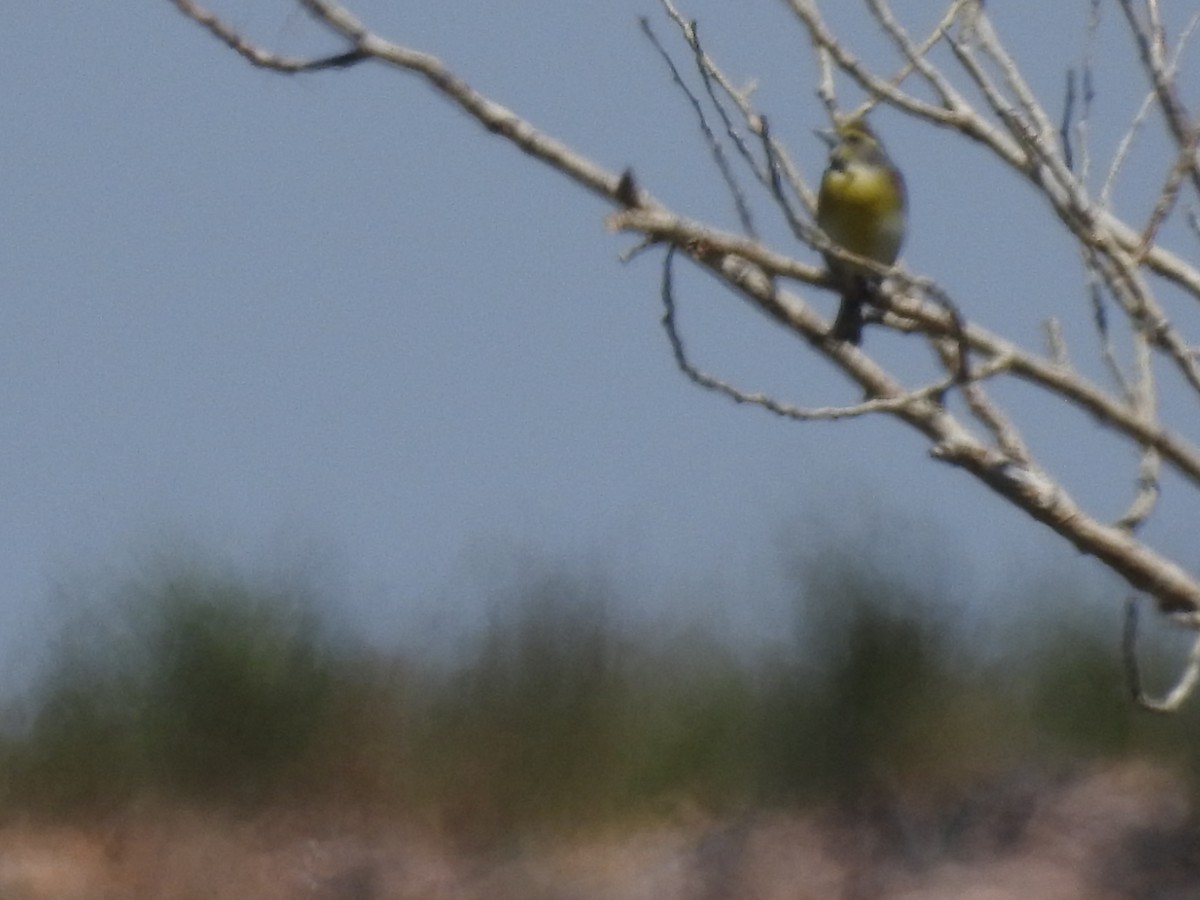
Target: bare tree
{"type": "Point", "coordinates": [978, 92]}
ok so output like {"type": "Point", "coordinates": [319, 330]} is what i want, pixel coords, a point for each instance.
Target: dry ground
{"type": "Point", "coordinates": [1120, 832]}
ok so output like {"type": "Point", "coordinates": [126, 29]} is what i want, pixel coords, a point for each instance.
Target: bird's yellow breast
{"type": "Point", "coordinates": [862, 209]}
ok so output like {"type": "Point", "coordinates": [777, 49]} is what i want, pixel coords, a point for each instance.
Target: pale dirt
{"type": "Point", "coordinates": [1121, 832]}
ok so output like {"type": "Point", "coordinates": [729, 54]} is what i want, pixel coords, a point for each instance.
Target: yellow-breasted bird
{"type": "Point", "coordinates": [861, 207]}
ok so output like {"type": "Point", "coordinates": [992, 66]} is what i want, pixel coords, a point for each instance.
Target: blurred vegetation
{"type": "Point", "coordinates": [208, 689]}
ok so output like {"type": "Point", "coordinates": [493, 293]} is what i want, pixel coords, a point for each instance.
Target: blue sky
{"type": "Point", "coordinates": [327, 323]}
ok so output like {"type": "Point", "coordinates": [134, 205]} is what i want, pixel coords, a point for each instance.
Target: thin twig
{"type": "Point", "coordinates": [1056, 343]}
{"type": "Point", "coordinates": [1147, 492]}
{"type": "Point", "coordinates": [1123, 277]}
{"type": "Point", "coordinates": [802, 229]}
{"type": "Point", "coordinates": [1124, 146]}
{"type": "Point", "coordinates": [1027, 124]}
{"type": "Point", "coordinates": [256, 55]}
{"type": "Point", "coordinates": [1169, 194]}
{"type": "Point", "coordinates": [1003, 429]}
{"type": "Point", "coordinates": [1064, 128]}
{"type": "Point", "coordinates": [714, 78]}
{"type": "Point", "coordinates": [778, 163]}
{"type": "Point", "coordinates": [1095, 289]}
{"type": "Point", "coordinates": [915, 54]}
{"type": "Point", "coordinates": [1087, 86]}
{"type": "Point", "coordinates": [1184, 686]}
{"type": "Point", "coordinates": [991, 45]}
{"type": "Point", "coordinates": [1151, 42]}
{"type": "Point", "coordinates": [831, 52]}
{"type": "Point", "coordinates": [710, 139]}
{"type": "Point", "coordinates": [1144, 400]}
{"type": "Point", "coordinates": [785, 410]}
{"type": "Point", "coordinates": [1170, 71]}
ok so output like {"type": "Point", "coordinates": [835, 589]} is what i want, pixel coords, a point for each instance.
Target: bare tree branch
{"type": "Point", "coordinates": [981, 95]}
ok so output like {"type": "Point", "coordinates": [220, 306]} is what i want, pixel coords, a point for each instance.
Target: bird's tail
{"type": "Point", "coordinates": [848, 325]}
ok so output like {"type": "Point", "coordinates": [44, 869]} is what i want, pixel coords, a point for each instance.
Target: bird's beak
{"type": "Point", "coordinates": [827, 135]}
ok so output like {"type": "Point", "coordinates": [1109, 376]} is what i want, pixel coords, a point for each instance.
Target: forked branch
{"type": "Point", "coordinates": [1126, 263]}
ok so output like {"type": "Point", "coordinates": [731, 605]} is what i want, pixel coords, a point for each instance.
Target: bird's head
{"type": "Point", "coordinates": [852, 142]}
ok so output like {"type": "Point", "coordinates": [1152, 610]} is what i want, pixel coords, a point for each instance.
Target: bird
{"type": "Point", "coordinates": [862, 207]}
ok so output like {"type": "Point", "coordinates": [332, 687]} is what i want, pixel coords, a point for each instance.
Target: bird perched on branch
{"type": "Point", "coordinates": [861, 207]}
